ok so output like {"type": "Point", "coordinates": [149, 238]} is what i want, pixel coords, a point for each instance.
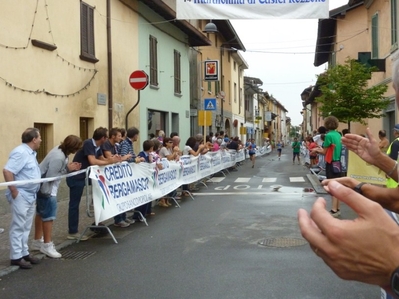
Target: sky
{"type": "Point", "coordinates": [281, 54]}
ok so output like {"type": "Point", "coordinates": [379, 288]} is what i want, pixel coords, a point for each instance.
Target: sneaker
{"type": "Point", "coordinates": [49, 250]}
{"type": "Point", "coordinates": [77, 236]}
{"type": "Point", "coordinates": [122, 224]}
{"type": "Point", "coordinates": [36, 244]}
{"type": "Point", "coordinates": [130, 221]}
{"type": "Point", "coordinates": [336, 213]}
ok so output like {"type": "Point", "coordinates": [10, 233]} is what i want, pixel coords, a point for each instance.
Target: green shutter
{"type": "Point", "coordinates": [374, 36]}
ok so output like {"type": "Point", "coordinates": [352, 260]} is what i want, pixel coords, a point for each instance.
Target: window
{"type": "Point", "coordinates": [87, 52]}
{"type": "Point", "coordinates": [374, 36]}
{"type": "Point", "coordinates": [217, 87]}
{"type": "Point", "coordinates": [394, 23]}
{"type": "Point", "coordinates": [177, 72]}
{"type": "Point", "coordinates": [235, 92]}
{"type": "Point", "coordinates": [153, 61]}
{"type": "Point", "coordinates": [235, 65]}
{"type": "Point", "coordinates": [210, 86]}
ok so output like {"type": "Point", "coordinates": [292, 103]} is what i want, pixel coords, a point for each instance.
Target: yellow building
{"type": "Point", "coordinates": [366, 31]}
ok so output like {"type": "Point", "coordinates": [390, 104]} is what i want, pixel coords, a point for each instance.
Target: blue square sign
{"type": "Point", "coordinates": [210, 104]}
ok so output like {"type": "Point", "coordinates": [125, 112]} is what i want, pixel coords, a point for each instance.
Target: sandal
{"type": "Point", "coordinates": [162, 204]}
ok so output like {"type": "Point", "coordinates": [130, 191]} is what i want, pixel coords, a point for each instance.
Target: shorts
{"type": "Point", "coordinates": [279, 150]}
{"type": "Point", "coordinates": [46, 208]}
{"type": "Point", "coordinates": [251, 153]}
{"type": "Point", "coordinates": [295, 155]}
{"type": "Point", "coordinates": [329, 172]}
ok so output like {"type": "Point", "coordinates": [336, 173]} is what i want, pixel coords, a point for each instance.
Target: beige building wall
{"type": "Point", "coordinates": [353, 36]}
{"type": "Point", "coordinates": [30, 74]}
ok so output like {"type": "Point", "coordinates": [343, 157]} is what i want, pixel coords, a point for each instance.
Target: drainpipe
{"type": "Point", "coordinates": [109, 60]}
{"type": "Point", "coordinates": [221, 89]}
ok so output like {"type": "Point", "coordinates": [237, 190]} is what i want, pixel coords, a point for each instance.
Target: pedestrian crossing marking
{"type": "Point", "coordinates": [210, 106]}
{"type": "Point", "coordinates": [248, 179]}
{"type": "Point", "coordinates": [216, 180]}
{"type": "Point", "coordinates": [242, 180]}
{"type": "Point", "coordinates": [269, 180]}
{"type": "Point", "coordinates": [297, 179]}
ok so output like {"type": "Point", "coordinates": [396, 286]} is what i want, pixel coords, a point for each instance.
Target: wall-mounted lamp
{"type": "Point", "coordinates": [210, 28]}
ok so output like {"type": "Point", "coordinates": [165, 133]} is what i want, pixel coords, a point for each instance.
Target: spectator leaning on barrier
{"type": "Point", "coordinates": [54, 164]}
{"type": "Point", "coordinates": [126, 152]}
{"type": "Point", "coordinates": [21, 166]}
{"type": "Point", "coordinates": [90, 154]}
{"type": "Point", "coordinates": [110, 148]}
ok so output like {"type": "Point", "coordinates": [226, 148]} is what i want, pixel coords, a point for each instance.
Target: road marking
{"type": "Point", "coordinates": [215, 180]}
{"type": "Point", "coordinates": [269, 180]}
{"type": "Point", "coordinates": [297, 179]}
{"type": "Point", "coordinates": [242, 180]}
{"type": "Point", "coordinates": [253, 193]}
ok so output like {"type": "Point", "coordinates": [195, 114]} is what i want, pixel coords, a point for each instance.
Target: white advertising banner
{"type": "Point", "coordinates": [121, 187]}
{"type": "Point", "coordinates": [252, 9]}
{"type": "Point", "coordinates": [190, 169]}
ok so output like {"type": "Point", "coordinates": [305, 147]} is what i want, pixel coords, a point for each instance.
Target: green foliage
{"type": "Point", "coordinates": [344, 93]}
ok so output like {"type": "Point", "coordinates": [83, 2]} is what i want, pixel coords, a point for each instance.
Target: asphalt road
{"type": "Point", "coordinates": [211, 247]}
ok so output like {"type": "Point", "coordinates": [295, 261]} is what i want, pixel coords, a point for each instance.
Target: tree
{"type": "Point", "coordinates": [346, 95]}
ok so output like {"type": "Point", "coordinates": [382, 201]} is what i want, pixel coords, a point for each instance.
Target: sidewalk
{"type": "Point", "coordinates": [60, 228]}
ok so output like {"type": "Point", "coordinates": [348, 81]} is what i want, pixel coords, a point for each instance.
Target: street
{"type": "Point", "coordinates": [237, 239]}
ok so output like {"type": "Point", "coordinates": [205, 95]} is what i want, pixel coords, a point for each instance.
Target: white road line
{"type": "Point", "coordinates": [215, 180]}
{"type": "Point", "coordinates": [251, 193]}
{"type": "Point", "coordinates": [242, 180]}
{"type": "Point", "coordinates": [269, 180]}
{"type": "Point", "coordinates": [297, 179]}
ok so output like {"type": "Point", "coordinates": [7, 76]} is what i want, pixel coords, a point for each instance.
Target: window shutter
{"type": "Point", "coordinates": [374, 36]}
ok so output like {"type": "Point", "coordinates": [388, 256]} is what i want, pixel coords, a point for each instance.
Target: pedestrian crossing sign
{"type": "Point", "coordinates": [210, 104]}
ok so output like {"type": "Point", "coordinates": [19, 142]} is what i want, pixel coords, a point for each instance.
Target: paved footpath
{"type": "Point", "coordinates": [60, 229]}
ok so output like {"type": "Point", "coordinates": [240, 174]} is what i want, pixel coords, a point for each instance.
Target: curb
{"type": "Point", "coordinates": [38, 255]}
{"type": "Point", "coordinates": [318, 188]}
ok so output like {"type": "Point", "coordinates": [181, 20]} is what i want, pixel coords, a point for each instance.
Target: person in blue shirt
{"type": "Point", "coordinates": [279, 148]}
{"type": "Point", "coordinates": [22, 166]}
{"type": "Point", "coordinates": [90, 154]}
{"type": "Point", "coordinates": [252, 151]}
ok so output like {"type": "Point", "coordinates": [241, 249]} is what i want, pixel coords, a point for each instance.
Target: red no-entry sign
{"type": "Point", "coordinates": [138, 80]}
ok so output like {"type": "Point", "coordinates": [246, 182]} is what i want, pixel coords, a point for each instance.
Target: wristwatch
{"type": "Point", "coordinates": [395, 282]}
{"type": "Point", "coordinates": [358, 188]}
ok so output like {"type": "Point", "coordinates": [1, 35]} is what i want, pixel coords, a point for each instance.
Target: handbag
{"type": "Point", "coordinates": [336, 166]}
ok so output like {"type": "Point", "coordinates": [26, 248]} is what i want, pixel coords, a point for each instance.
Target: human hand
{"type": "Point", "coordinates": [346, 181]}
{"type": "Point", "coordinates": [363, 249]}
{"type": "Point", "coordinates": [14, 193]}
{"type": "Point", "coordinates": [74, 166]}
{"type": "Point", "coordinates": [127, 157]}
{"type": "Point", "coordinates": [365, 148]}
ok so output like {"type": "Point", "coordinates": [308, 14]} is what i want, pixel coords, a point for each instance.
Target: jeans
{"type": "Point", "coordinates": [119, 218]}
{"type": "Point", "coordinates": [76, 188]}
{"type": "Point", "coordinates": [143, 209]}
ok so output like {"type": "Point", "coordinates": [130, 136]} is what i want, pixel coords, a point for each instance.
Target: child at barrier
{"type": "Point", "coordinates": [168, 152]}
{"type": "Point", "coordinates": [188, 150]}
{"type": "Point", "coordinates": [148, 147]}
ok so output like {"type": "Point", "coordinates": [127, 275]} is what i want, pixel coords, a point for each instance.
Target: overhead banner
{"type": "Point", "coordinates": [252, 9]}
